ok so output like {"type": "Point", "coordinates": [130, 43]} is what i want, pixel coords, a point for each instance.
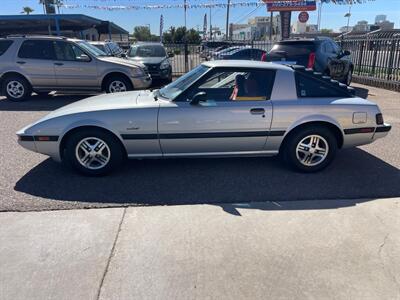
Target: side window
{"type": "Point", "coordinates": [36, 49]}
{"type": "Point", "coordinates": [236, 85]}
{"type": "Point", "coordinates": [4, 45]}
{"type": "Point", "coordinates": [309, 86]}
{"type": "Point", "coordinates": [69, 52]}
{"type": "Point", "coordinates": [335, 47]}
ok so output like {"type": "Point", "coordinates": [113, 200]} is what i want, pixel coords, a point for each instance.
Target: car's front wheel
{"type": "Point", "coordinates": [310, 149]}
{"type": "Point", "coordinates": [16, 88]}
{"type": "Point", "coordinates": [118, 84]}
{"type": "Point", "coordinates": [349, 77]}
{"type": "Point", "coordinates": [93, 152]}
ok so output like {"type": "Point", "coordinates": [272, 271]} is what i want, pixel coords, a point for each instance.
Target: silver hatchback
{"type": "Point", "coordinates": [43, 63]}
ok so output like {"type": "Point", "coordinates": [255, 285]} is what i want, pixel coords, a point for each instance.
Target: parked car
{"type": "Point", "coordinates": [320, 54]}
{"type": "Point", "coordinates": [42, 64]}
{"type": "Point", "coordinates": [218, 54]}
{"type": "Point", "coordinates": [220, 108]}
{"type": "Point", "coordinates": [109, 47]}
{"type": "Point", "coordinates": [244, 53]}
{"type": "Point", "coordinates": [154, 57]}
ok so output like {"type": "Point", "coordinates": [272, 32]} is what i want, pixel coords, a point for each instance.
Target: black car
{"type": "Point", "coordinates": [322, 55]}
{"type": "Point", "coordinates": [243, 54]}
{"type": "Point", "coordinates": [154, 57]}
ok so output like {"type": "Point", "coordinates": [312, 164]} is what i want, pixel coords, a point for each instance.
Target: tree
{"type": "Point", "coordinates": [143, 34]}
{"type": "Point", "coordinates": [26, 10]}
{"type": "Point", "coordinates": [177, 35]}
{"type": "Point", "coordinates": [325, 31]}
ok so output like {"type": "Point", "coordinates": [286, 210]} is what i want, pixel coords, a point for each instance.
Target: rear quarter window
{"type": "Point", "coordinates": [294, 48]}
{"type": "Point", "coordinates": [311, 86]}
{"type": "Point", "coordinates": [4, 45]}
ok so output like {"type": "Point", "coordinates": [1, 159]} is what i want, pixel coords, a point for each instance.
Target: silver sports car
{"type": "Point", "coordinates": [220, 108]}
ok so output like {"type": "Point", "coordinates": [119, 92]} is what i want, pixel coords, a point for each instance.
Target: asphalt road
{"type": "Point", "coordinates": [31, 181]}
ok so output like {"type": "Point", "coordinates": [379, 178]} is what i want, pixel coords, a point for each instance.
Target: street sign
{"type": "Point", "coordinates": [303, 17]}
{"type": "Point", "coordinates": [304, 5]}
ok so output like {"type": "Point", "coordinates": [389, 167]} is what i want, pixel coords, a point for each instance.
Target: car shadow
{"type": "Point", "coordinates": [361, 92]}
{"type": "Point", "coordinates": [355, 174]}
{"type": "Point", "coordinates": [40, 103]}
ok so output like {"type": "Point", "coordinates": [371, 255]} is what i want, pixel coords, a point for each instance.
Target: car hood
{"type": "Point", "coordinates": [126, 100]}
{"type": "Point", "coordinates": [121, 61]}
{"type": "Point", "coordinates": [147, 60]}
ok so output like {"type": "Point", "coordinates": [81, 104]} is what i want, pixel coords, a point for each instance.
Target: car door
{"type": "Point", "coordinates": [74, 68]}
{"type": "Point", "coordinates": [219, 125]}
{"type": "Point", "coordinates": [35, 60]}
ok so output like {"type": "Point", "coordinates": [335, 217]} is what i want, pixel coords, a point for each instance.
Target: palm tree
{"type": "Point", "coordinates": [26, 10]}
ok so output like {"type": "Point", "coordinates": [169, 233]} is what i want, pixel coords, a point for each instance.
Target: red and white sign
{"type": "Point", "coordinates": [303, 17]}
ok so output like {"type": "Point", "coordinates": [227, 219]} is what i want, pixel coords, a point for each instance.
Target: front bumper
{"type": "Point", "coordinates": [140, 83]}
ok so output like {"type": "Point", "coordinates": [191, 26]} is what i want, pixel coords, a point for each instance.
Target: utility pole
{"type": "Point", "coordinates": [210, 26]}
{"type": "Point", "coordinates": [227, 20]}
{"type": "Point", "coordinates": [348, 16]}
{"type": "Point", "coordinates": [271, 25]}
{"type": "Point", "coordinates": [319, 16]}
{"type": "Point", "coordinates": [184, 8]}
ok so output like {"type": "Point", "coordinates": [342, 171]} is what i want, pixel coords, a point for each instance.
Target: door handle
{"type": "Point", "coordinates": [257, 111]}
{"type": "Point", "coordinates": [58, 64]}
{"type": "Point", "coordinates": [21, 62]}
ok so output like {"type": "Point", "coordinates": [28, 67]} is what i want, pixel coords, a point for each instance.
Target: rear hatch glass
{"type": "Point", "coordinates": [295, 51]}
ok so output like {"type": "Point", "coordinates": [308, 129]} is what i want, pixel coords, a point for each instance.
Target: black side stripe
{"type": "Point", "coordinates": [200, 135]}
{"type": "Point", "coordinates": [46, 138]}
{"type": "Point", "coordinates": [359, 130]}
{"type": "Point", "coordinates": [383, 128]}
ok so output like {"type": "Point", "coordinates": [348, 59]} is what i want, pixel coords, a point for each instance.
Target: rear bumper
{"type": "Point", "coordinates": [382, 131]}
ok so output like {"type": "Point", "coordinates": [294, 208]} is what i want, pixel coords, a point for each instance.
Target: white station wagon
{"type": "Point", "coordinates": [220, 108]}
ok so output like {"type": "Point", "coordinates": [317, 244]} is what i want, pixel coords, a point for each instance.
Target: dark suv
{"type": "Point", "coordinates": [320, 54]}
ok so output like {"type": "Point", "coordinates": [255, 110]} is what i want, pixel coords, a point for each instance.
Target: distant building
{"type": "Point", "coordinates": [361, 26]}
{"type": "Point", "coordinates": [256, 28]}
{"type": "Point", "coordinates": [346, 28]}
{"type": "Point", "coordinates": [299, 28]}
{"type": "Point", "coordinates": [380, 18]}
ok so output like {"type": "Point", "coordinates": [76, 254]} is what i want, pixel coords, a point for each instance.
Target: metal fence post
{"type": "Point", "coordinates": [391, 58]}
{"type": "Point", "coordinates": [186, 56]}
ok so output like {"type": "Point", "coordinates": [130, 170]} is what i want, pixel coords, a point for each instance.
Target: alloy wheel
{"type": "Point", "coordinates": [92, 153]}
{"type": "Point", "coordinates": [117, 86]}
{"type": "Point", "coordinates": [312, 150]}
{"type": "Point", "coordinates": [15, 89]}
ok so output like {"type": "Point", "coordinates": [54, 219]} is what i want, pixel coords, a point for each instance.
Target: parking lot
{"type": "Point", "coordinates": [31, 182]}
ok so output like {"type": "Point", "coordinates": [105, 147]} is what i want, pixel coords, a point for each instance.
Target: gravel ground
{"type": "Point", "coordinates": [31, 181]}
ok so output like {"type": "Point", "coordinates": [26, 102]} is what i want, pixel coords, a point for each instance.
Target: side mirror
{"type": "Point", "coordinates": [123, 55]}
{"type": "Point", "coordinates": [346, 52]}
{"type": "Point", "coordinates": [199, 97]}
{"type": "Point", "coordinates": [83, 57]}
{"type": "Point", "coordinates": [170, 54]}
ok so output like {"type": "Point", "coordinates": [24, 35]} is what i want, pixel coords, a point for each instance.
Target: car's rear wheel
{"type": "Point", "coordinates": [310, 149]}
{"type": "Point", "coordinates": [349, 77]}
{"type": "Point", "coordinates": [93, 152]}
{"type": "Point", "coordinates": [118, 84]}
{"type": "Point", "coordinates": [16, 88]}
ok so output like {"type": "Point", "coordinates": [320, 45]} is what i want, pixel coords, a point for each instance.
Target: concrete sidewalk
{"type": "Point", "coordinates": [345, 249]}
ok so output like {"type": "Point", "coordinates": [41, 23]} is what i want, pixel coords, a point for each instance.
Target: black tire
{"type": "Point", "coordinates": [22, 88]}
{"type": "Point", "coordinates": [349, 77]}
{"type": "Point", "coordinates": [113, 149]}
{"type": "Point", "coordinates": [310, 162]}
{"type": "Point", "coordinates": [109, 84]}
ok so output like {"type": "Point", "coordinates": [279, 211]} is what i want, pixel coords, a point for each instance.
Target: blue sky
{"type": "Point", "coordinates": [332, 15]}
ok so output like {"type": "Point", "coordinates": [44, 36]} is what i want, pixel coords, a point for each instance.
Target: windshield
{"type": "Point", "coordinates": [101, 47]}
{"type": "Point", "coordinates": [147, 51]}
{"type": "Point", "coordinates": [174, 89]}
{"type": "Point", "coordinates": [91, 49]}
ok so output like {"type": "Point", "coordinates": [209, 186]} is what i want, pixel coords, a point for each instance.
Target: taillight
{"type": "Point", "coordinates": [379, 119]}
{"type": "Point", "coordinates": [311, 60]}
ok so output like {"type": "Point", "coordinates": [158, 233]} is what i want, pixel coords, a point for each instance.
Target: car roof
{"type": "Point", "coordinates": [148, 44]}
{"type": "Point", "coordinates": [246, 64]}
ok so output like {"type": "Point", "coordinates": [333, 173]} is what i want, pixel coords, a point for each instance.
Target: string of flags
{"type": "Point", "coordinates": [211, 4]}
